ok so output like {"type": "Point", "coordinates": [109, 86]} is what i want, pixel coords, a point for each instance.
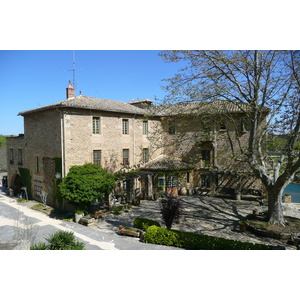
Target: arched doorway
{"type": "Point", "coordinates": [16, 184]}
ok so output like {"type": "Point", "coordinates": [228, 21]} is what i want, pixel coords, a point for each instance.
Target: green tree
{"type": "Point", "coordinates": [85, 184]}
{"type": "Point", "coordinates": [252, 80]}
{"type": "Point", "coordinates": [2, 141]}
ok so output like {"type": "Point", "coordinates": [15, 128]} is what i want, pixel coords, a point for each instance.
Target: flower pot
{"type": "Point", "coordinates": [78, 217]}
{"type": "Point", "coordinates": [183, 191]}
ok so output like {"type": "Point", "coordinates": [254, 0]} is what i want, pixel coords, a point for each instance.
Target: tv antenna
{"type": "Point", "coordinates": [74, 70]}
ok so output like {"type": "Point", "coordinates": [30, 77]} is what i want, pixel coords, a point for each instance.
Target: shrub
{"type": "Point", "coordinates": [171, 209]}
{"type": "Point", "coordinates": [41, 246]}
{"type": "Point", "coordinates": [193, 241]}
{"type": "Point", "coordinates": [60, 240]}
{"type": "Point", "coordinates": [143, 223]}
{"type": "Point", "coordinates": [117, 209]}
{"type": "Point", "coordinates": [85, 184]}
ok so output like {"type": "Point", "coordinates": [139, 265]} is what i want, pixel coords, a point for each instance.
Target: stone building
{"type": "Point", "coordinates": [119, 136]}
{"type": "Point", "coordinates": [77, 131]}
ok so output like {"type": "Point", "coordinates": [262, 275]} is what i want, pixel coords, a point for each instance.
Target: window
{"type": "Point", "coordinates": [161, 181]}
{"type": "Point", "coordinates": [125, 127]}
{"type": "Point", "coordinates": [96, 125]}
{"type": "Point", "coordinates": [205, 155]}
{"type": "Point", "coordinates": [11, 156]}
{"type": "Point", "coordinates": [125, 157]}
{"type": "Point", "coordinates": [38, 187]}
{"type": "Point", "coordinates": [97, 157]}
{"type": "Point", "coordinates": [188, 177]}
{"type": "Point", "coordinates": [172, 181]}
{"type": "Point", "coordinates": [243, 125]}
{"type": "Point", "coordinates": [145, 127]}
{"type": "Point", "coordinates": [20, 157]}
{"type": "Point", "coordinates": [205, 181]}
{"type": "Point", "coordinates": [37, 164]}
{"type": "Point", "coordinates": [222, 127]}
{"type": "Point", "coordinates": [145, 155]}
{"type": "Point", "coordinates": [172, 127]}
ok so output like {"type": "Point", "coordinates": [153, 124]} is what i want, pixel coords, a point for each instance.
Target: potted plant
{"type": "Point", "coordinates": [78, 215]}
{"type": "Point", "coordinates": [287, 198]}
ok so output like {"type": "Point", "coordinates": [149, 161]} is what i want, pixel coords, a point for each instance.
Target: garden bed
{"type": "Point", "coordinates": [258, 225]}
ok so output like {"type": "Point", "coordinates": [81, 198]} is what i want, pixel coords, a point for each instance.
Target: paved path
{"type": "Point", "coordinates": [17, 219]}
{"type": "Point", "coordinates": [212, 216]}
{"type": "Point", "coordinates": [206, 215]}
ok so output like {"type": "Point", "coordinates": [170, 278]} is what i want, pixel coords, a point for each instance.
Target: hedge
{"type": "Point", "coordinates": [193, 241]}
{"type": "Point", "coordinates": [143, 223]}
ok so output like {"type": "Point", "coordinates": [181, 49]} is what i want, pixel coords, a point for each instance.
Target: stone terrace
{"type": "Point", "coordinates": [206, 215]}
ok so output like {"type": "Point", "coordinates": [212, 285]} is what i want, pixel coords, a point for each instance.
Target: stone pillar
{"type": "Point", "coordinates": [150, 186]}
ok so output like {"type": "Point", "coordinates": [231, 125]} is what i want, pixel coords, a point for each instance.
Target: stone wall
{"type": "Point", "coordinates": [14, 161]}
{"type": "Point", "coordinates": [80, 142]}
{"type": "Point", "coordinates": [225, 138]}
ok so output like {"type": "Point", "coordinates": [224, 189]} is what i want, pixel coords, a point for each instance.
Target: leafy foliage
{"type": "Point", "coordinates": [171, 209]}
{"type": "Point", "coordinates": [60, 240]}
{"type": "Point", "coordinates": [85, 184]}
{"type": "Point", "coordinates": [2, 141]}
{"type": "Point", "coordinates": [193, 241]}
{"type": "Point", "coordinates": [26, 179]}
{"type": "Point", "coordinates": [143, 223]}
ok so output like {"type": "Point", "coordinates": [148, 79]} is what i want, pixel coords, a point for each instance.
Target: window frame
{"type": "Point", "coordinates": [11, 155]}
{"type": "Point", "coordinates": [171, 127]}
{"type": "Point", "coordinates": [20, 156]}
{"type": "Point", "coordinates": [37, 164]}
{"type": "Point", "coordinates": [125, 126]}
{"type": "Point", "coordinates": [125, 159]}
{"type": "Point", "coordinates": [145, 127]}
{"type": "Point", "coordinates": [96, 125]}
{"type": "Point", "coordinates": [97, 160]}
{"type": "Point", "coordinates": [145, 155]}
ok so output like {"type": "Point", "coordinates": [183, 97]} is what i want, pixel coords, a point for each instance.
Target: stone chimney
{"type": "Point", "coordinates": [70, 90]}
{"type": "Point", "coordinates": [141, 103]}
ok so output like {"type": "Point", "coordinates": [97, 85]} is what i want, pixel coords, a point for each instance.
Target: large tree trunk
{"type": "Point", "coordinates": [275, 210]}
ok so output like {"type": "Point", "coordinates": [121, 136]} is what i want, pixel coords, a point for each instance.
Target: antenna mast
{"type": "Point", "coordinates": [73, 63]}
{"type": "Point", "coordinates": [74, 69]}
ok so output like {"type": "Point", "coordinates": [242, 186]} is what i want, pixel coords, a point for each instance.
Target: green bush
{"type": "Point", "coordinates": [85, 184]}
{"type": "Point", "coordinates": [41, 246]}
{"type": "Point", "coordinates": [171, 209]}
{"type": "Point", "coordinates": [117, 209]}
{"type": "Point", "coordinates": [193, 241]}
{"type": "Point", "coordinates": [60, 240]}
{"type": "Point", "coordinates": [143, 223]}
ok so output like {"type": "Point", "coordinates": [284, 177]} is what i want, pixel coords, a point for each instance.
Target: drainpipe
{"type": "Point", "coordinates": [62, 136]}
{"type": "Point", "coordinates": [133, 139]}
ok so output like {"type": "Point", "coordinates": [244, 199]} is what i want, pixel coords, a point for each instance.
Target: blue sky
{"type": "Point", "coordinates": [30, 79]}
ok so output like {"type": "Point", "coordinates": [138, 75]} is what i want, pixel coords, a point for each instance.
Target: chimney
{"type": "Point", "coordinates": [70, 90]}
{"type": "Point", "coordinates": [141, 103]}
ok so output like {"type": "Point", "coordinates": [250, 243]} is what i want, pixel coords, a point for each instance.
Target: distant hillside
{"type": "Point", "coordinates": [3, 159]}
{"type": "Point", "coordinates": [2, 141]}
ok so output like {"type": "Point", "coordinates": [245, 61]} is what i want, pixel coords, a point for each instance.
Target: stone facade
{"type": "Point", "coordinates": [68, 134]}
{"type": "Point", "coordinates": [114, 134]}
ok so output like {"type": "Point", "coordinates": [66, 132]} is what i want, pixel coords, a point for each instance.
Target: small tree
{"type": "Point", "coordinates": [171, 209]}
{"type": "Point", "coordinates": [85, 184]}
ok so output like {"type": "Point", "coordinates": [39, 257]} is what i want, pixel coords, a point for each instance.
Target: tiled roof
{"type": "Point", "coordinates": [211, 107]}
{"type": "Point", "coordinates": [85, 102]}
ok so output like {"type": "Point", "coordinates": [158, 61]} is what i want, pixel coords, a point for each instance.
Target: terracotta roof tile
{"type": "Point", "coordinates": [91, 103]}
